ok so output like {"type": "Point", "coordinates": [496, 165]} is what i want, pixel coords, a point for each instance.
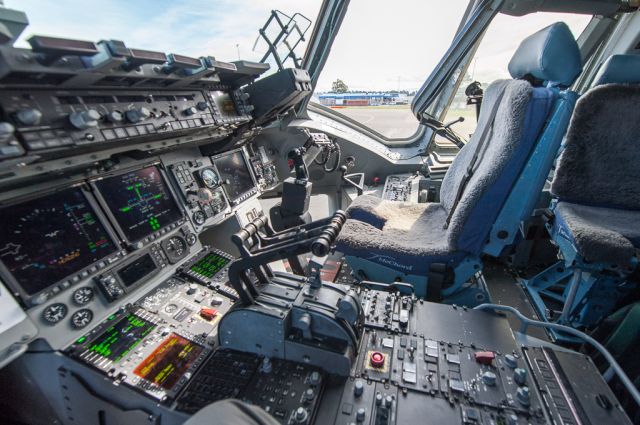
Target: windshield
{"type": "Point", "coordinates": [382, 55]}
{"type": "Point", "coordinates": [224, 29]}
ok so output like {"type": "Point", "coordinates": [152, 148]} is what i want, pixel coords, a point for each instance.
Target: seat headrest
{"type": "Point", "coordinates": [619, 69]}
{"type": "Point", "coordinates": [550, 55]}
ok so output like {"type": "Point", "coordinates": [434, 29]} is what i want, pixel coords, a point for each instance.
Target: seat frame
{"type": "Point", "coordinates": [587, 291]}
{"type": "Point", "coordinates": [469, 286]}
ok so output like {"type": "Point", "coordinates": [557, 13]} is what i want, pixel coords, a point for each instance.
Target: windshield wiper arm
{"type": "Point", "coordinates": [445, 130]}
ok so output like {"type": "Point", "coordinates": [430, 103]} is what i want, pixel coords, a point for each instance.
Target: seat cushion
{"type": "Point", "coordinates": [599, 234]}
{"type": "Point", "coordinates": [403, 236]}
{"type": "Point", "coordinates": [599, 163]}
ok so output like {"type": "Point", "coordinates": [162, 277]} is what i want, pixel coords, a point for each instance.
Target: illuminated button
{"type": "Point", "coordinates": [377, 359]}
{"type": "Point", "coordinates": [208, 313]}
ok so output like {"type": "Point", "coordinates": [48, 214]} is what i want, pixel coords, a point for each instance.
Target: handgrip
{"type": "Point", "coordinates": [321, 246]}
{"type": "Point", "coordinates": [240, 237]}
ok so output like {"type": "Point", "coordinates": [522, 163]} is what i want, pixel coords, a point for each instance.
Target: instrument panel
{"type": "Point", "coordinates": [73, 253]}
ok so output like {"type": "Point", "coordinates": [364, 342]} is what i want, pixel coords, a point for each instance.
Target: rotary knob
{"type": "Point", "coordinates": [301, 415]}
{"type": "Point", "coordinates": [29, 116]}
{"type": "Point", "coordinates": [190, 111]}
{"type": "Point", "coordinates": [489, 378]}
{"type": "Point", "coordinates": [115, 117]}
{"type": "Point", "coordinates": [520, 376]}
{"type": "Point", "coordinates": [136, 115]}
{"type": "Point", "coordinates": [6, 131]}
{"type": "Point", "coordinates": [523, 396]}
{"type": "Point", "coordinates": [84, 119]}
{"type": "Point", "coordinates": [202, 106]}
{"type": "Point", "coordinates": [358, 388]}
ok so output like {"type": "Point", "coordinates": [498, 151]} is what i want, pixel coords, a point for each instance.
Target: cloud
{"type": "Point", "coordinates": [190, 27]}
{"type": "Point", "coordinates": [382, 44]}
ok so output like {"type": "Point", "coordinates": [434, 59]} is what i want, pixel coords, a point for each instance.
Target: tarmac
{"type": "Point", "coordinates": [390, 121]}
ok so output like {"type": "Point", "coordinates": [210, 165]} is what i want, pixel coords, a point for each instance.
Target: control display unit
{"type": "Point", "coordinates": [209, 265]}
{"type": "Point", "coordinates": [233, 168]}
{"type": "Point", "coordinates": [142, 350]}
{"type": "Point", "coordinates": [167, 363]}
{"type": "Point", "coordinates": [139, 202]}
{"type": "Point", "coordinates": [120, 338]}
{"type": "Point", "coordinates": [224, 104]}
{"type": "Point", "coordinates": [48, 239]}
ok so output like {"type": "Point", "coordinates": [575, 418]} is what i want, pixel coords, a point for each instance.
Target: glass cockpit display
{"type": "Point", "coordinates": [139, 201]}
{"type": "Point", "coordinates": [120, 338]}
{"type": "Point", "coordinates": [234, 169]}
{"type": "Point", "coordinates": [224, 103]}
{"type": "Point", "coordinates": [45, 240]}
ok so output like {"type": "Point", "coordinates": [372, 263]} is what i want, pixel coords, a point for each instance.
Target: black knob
{"type": "Point", "coordinates": [84, 119]}
{"type": "Point", "coordinates": [137, 115]}
{"type": "Point", "coordinates": [28, 116]}
{"type": "Point", "coordinates": [202, 106]}
{"type": "Point", "coordinates": [190, 111]}
{"type": "Point", "coordinates": [114, 117]}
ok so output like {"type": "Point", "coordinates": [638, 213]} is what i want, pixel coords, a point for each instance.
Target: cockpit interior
{"type": "Point", "coordinates": [199, 240]}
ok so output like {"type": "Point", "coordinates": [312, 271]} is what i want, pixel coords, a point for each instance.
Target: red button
{"type": "Point", "coordinates": [208, 313]}
{"type": "Point", "coordinates": [377, 359]}
{"type": "Point", "coordinates": [485, 357]}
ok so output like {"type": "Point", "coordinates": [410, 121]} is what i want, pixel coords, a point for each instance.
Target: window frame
{"type": "Point", "coordinates": [317, 53]}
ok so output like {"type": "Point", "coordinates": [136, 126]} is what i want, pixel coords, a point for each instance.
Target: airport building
{"type": "Point", "coordinates": [362, 99]}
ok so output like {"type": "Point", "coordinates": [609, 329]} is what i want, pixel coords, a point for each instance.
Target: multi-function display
{"type": "Point", "coordinates": [139, 201]}
{"type": "Point", "coordinates": [45, 240]}
{"type": "Point", "coordinates": [233, 168]}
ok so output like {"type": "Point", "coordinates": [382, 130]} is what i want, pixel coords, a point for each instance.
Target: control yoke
{"type": "Point", "coordinates": [260, 245]}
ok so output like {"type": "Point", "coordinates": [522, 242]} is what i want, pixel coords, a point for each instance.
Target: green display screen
{"type": "Point", "coordinates": [209, 265]}
{"type": "Point", "coordinates": [121, 338]}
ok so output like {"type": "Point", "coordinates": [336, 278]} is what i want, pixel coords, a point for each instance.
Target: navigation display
{"type": "Point", "coordinates": [121, 338]}
{"type": "Point", "coordinates": [139, 201]}
{"type": "Point", "coordinates": [233, 167]}
{"type": "Point", "coordinates": [48, 239]}
{"type": "Point", "coordinates": [209, 265]}
{"type": "Point", "coordinates": [169, 362]}
{"type": "Point", "coordinates": [223, 101]}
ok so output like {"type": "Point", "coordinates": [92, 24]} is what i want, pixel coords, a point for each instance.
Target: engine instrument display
{"type": "Point", "coordinates": [233, 168]}
{"type": "Point", "coordinates": [169, 361]}
{"type": "Point", "coordinates": [48, 239]}
{"type": "Point", "coordinates": [224, 104]}
{"type": "Point", "coordinates": [119, 339]}
{"type": "Point", "coordinates": [139, 201]}
{"type": "Point", "coordinates": [209, 265]}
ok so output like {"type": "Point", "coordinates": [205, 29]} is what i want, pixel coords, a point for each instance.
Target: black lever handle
{"type": "Point", "coordinates": [321, 246]}
{"type": "Point", "coordinates": [248, 231]}
{"type": "Point", "coordinates": [347, 179]}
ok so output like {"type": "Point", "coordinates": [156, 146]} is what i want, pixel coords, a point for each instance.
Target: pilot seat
{"type": "Point", "coordinates": [492, 185]}
{"type": "Point", "coordinates": [596, 206]}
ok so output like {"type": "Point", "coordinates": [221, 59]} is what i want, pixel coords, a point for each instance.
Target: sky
{"type": "Point", "coordinates": [382, 45]}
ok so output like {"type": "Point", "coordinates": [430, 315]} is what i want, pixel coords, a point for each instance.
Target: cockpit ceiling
{"type": "Point", "coordinates": [588, 7]}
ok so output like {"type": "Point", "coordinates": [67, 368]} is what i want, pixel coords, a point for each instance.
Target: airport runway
{"type": "Point", "coordinates": [391, 121]}
{"type": "Point", "coordinates": [397, 122]}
